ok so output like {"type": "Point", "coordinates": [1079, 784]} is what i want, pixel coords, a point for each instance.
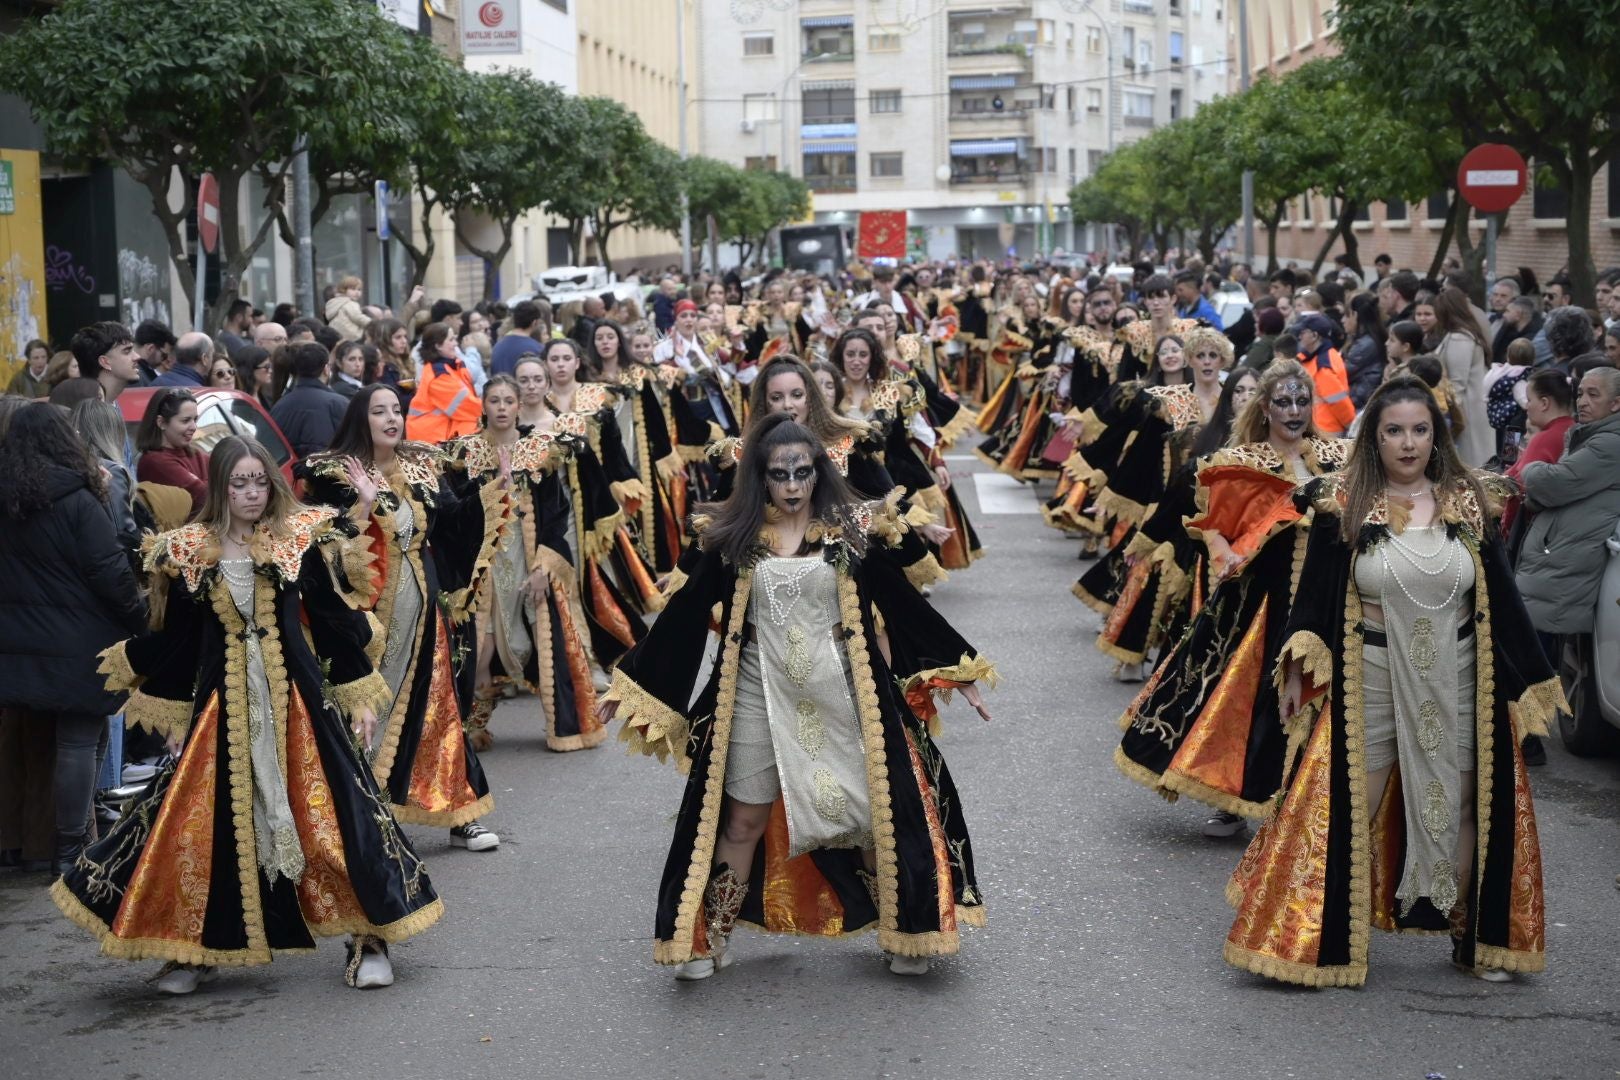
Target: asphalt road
{"type": "Point", "coordinates": [1102, 957]}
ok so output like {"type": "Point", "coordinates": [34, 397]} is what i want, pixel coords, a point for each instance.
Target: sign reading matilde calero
{"type": "Point", "coordinates": [491, 26]}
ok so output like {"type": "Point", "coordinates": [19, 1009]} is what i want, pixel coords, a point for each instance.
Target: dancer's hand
{"type": "Point", "coordinates": [365, 488]}
{"type": "Point", "coordinates": [935, 534]}
{"type": "Point", "coordinates": [943, 475]}
{"type": "Point", "coordinates": [1293, 691]}
{"type": "Point", "coordinates": [970, 694]}
{"type": "Point", "coordinates": [536, 584]}
{"type": "Point", "coordinates": [505, 454]}
{"type": "Point", "coordinates": [605, 711]}
{"type": "Point", "coordinates": [365, 725]}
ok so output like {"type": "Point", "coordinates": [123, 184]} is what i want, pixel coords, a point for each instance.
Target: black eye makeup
{"type": "Point", "coordinates": [800, 473]}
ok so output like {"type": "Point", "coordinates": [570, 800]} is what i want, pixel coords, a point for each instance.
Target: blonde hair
{"type": "Point", "coordinates": [1254, 423]}
{"type": "Point", "coordinates": [348, 282]}
{"type": "Point", "coordinates": [225, 456]}
{"type": "Point", "coordinates": [1201, 337]}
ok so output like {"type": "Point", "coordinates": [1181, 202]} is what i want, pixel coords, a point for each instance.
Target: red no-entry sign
{"type": "Point", "coordinates": [1492, 177]}
{"type": "Point", "coordinates": [208, 211]}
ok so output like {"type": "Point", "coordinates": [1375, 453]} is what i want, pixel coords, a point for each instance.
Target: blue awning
{"type": "Point", "coordinates": [984, 82]}
{"type": "Point", "coordinates": [827, 131]}
{"type": "Point", "coordinates": [821, 22]}
{"type": "Point", "coordinates": [983, 147]}
{"type": "Point", "coordinates": [830, 148]}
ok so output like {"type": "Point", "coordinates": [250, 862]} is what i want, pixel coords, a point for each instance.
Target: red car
{"type": "Point", "coordinates": [219, 413]}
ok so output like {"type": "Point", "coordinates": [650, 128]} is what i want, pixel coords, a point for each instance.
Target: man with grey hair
{"type": "Point", "coordinates": [1576, 500]}
{"type": "Point", "coordinates": [1502, 293]}
{"type": "Point", "coordinates": [193, 354]}
{"type": "Point", "coordinates": [1520, 319]}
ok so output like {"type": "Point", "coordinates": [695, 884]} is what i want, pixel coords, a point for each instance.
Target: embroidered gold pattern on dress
{"type": "Point", "coordinates": [811, 733]}
{"type": "Point", "coordinates": [830, 801]}
{"type": "Point", "coordinates": [1445, 885]}
{"type": "Point", "coordinates": [798, 657]}
{"type": "Point", "coordinates": [1423, 654]}
{"type": "Point", "coordinates": [1436, 812]}
{"type": "Point", "coordinates": [1430, 732]}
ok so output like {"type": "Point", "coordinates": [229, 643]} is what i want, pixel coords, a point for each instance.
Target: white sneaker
{"type": "Point", "coordinates": [1130, 673]}
{"type": "Point", "coordinates": [702, 967]}
{"type": "Point", "coordinates": [375, 969]}
{"type": "Point", "coordinates": [1221, 823]}
{"type": "Point", "coordinates": [474, 837]}
{"type": "Point", "coordinates": [1492, 975]}
{"type": "Point", "coordinates": [183, 978]}
{"type": "Point", "coordinates": [908, 965]}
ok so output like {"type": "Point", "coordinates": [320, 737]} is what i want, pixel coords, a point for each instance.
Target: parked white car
{"type": "Point", "coordinates": [560, 284]}
{"type": "Point", "coordinates": [1590, 670]}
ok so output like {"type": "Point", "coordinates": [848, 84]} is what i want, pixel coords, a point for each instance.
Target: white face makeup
{"type": "Point", "coordinates": [1172, 358]}
{"type": "Point", "coordinates": [1289, 409]}
{"type": "Point", "coordinates": [790, 478]}
{"type": "Point", "coordinates": [1206, 365]}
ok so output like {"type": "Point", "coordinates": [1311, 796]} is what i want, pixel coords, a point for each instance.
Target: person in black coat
{"type": "Point", "coordinates": [69, 593]}
{"type": "Point", "coordinates": [309, 412]}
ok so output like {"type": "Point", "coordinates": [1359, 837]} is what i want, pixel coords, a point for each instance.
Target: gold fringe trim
{"type": "Point", "coordinates": [887, 522]}
{"type": "Point", "coordinates": [969, 669]}
{"type": "Point", "coordinates": [1114, 651]}
{"type": "Point", "coordinates": [161, 716]}
{"type": "Point", "coordinates": [964, 421]}
{"type": "Point", "coordinates": [670, 466]}
{"type": "Point", "coordinates": [181, 952]}
{"type": "Point", "coordinates": [1180, 784]}
{"type": "Point", "coordinates": [444, 819]}
{"type": "Point", "coordinates": [358, 587]}
{"type": "Point", "coordinates": [497, 514]}
{"type": "Point", "coordinates": [930, 498]}
{"type": "Point", "coordinates": [1352, 974]}
{"type": "Point", "coordinates": [877, 784]}
{"type": "Point", "coordinates": [1497, 958]}
{"type": "Point", "coordinates": [563, 744]}
{"type": "Point", "coordinates": [1112, 504]}
{"type": "Point", "coordinates": [1537, 707]}
{"type": "Point", "coordinates": [1101, 607]}
{"type": "Point", "coordinates": [979, 453]}
{"type": "Point", "coordinates": [115, 666]}
{"type": "Point", "coordinates": [1141, 774]}
{"type": "Point", "coordinates": [652, 728]}
{"type": "Point", "coordinates": [926, 571]}
{"type": "Point", "coordinates": [368, 692]}
{"type": "Point", "coordinates": [918, 515]}
{"type": "Point", "coordinates": [1312, 653]}
{"type": "Point", "coordinates": [558, 569]}
{"type": "Point", "coordinates": [238, 744]}
{"type": "Point", "coordinates": [626, 490]}
{"type": "Point", "coordinates": [673, 582]}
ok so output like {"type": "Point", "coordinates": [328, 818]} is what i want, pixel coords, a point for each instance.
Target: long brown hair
{"type": "Point", "coordinates": [879, 369]}
{"type": "Point", "coordinates": [225, 456]}
{"type": "Point", "coordinates": [1453, 315]}
{"type": "Point", "coordinates": [827, 425]}
{"type": "Point", "coordinates": [1253, 423]}
{"type": "Point", "coordinates": [734, 525]}
{"type": "Point", "coordinates": [1364, 478]}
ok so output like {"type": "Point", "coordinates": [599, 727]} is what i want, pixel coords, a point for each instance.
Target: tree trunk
{"type": "Point", "coordinates": [1445, 235]}
{"type": "Point", "coordinates": [1206, 243]}
{"type": "Point", "coordinates": [576, 240]}
{"type": "Point", "coordinates": [492, 259]}
{"type": "Point", "coordinates": [1272, 224]}
{"type": "Point", "coordinates": [1578, 228]}
{"type": "Point", "coordinates": [603, 229]}
{"type": "Point", "coordinates": [1473, 260]}
{"type": "Point", "coordinates": [421, 257]}
{"type": "Point", "coordinates": [1341, 227]}
{"type": "Point", "coordinates": [156, 182]}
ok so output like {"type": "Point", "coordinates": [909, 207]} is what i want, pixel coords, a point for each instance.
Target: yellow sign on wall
{"type": "Point", "coordinates": [22, 259]}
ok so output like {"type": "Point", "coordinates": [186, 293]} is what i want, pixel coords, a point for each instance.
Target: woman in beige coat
{"type": "Point", "coordinates": [1462, 350]}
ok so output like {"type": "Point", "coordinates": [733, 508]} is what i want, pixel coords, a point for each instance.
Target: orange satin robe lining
{"type": "Point", "coordinates": [642, 581]}
{"type": "Point", "coordinates": [1283, 874]}
{"type": "Point", "coordinates": [936, 835]}
{"type": "Point", "coordinates": [1244, 505]}
{"type": "Point", "coordinates": [954, 553]}
{"type": "Point", "coordinates": [439, 771]}
{"type": "Point", "coordinates": [1019, 454]}
{"type": "Point", "coordinates": [167, 896]}
{"type": "Point", "coordinates": [797, 898]}
{"type": "Point", "coordinates": [578, 666]}
{"type": "Point", "coordinates": [604, 608]}
{"type": "Point", "coordinates": [324, 892]}
{"type": "Point", "coordinates": [1135, 582]}
{"type": "Point", "coordinates": [1527, 917]}
{"type": "Point", "coordinates": [1217, 743]}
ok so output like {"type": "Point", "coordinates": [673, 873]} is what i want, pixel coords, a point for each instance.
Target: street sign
{"type": "Point", "coordinates": [380, 197]}
{"type": "Point", "coordinates": [8, 189]}
{"type": "Point", "coordinates": [491, 26]}
{"type": "Point", "coordinates": [1492, 177]}
{"type": "Point", "coordinates": [208, 212]}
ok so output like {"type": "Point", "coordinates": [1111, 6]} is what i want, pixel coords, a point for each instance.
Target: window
{"type": "Point", "coordinates": [1549, 200]}
{"type": "Point", "coordinates": [829, 172]}
{"type": "Point", "coordinates": [1175, 104]}
{"type": "Point", "coordinates": [1068, 36]}
{"type": "Point", "coordinates": [1069, 99]}
{"type": "Point", "coordinates": [882, 41]}
{"type": "Point", "coordinates": [832, 104]}
{"type": "Point", "coordinates": [1072, 157]}
{"type": "Point", "coordinates": [759, 108]}
{"type": "Point", "coordinates": [885, 101]}
{"type": "Point", "coordinates": [1177, 44]}
{"type": "Point", "coordinates": [1051, 159]}
{"type": "Point", "coordinates": [1439, 206]}
{"type": "Point", "coordinates": [250, 421]}
{"type": "Point", "coordinates": [1139, 5]}
{"type": "Point", "coordinates": [975, 105]}
{"type": "Point", "coordinates": [1127, 49]}
{"type": "Point", "coordinates": [887, 164]}
{"type": "Point", "coordinates": [760, 164]}
{"type": "Point", "coordinates": [1094, 160]}
{"type": "Point", "coordinates": [1395, 210]}
{"type": "Point", "coordinates": [968, 35]}
{"type": "Point", "coordinates": [1144, 57]}
{"type": "Point", "coordinates": [829, 42]}
{"type": "Point", "coordinates": [1139, 108]}
{"type": "Point", "coordinates": [759, 44]}
{"type": "Point", "coordinates": [1031, 32]}
{"type": "Point", "coordinates": [1093, 99]}
{"type": "Point", "coordinates": [1094, 39]}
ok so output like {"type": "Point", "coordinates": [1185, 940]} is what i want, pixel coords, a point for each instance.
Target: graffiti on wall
{"type": "Point", "coordinates": [142, 289]}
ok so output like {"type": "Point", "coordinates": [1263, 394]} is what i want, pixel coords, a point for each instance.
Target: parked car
{"type": "Point", "coordinates": [1590, 670]}
{"type": "Point", "coordinates": [559, 285]}
{"type": "Point", "coordinates": [219, 413]}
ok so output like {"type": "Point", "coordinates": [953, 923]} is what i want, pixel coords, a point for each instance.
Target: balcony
{"type": "Point", "coordinates": [1008, 178]}
{"type": "Point", "coordinates": [1008, 123]}
{"type": "Point", "coordinates": [830, 185]}
{"type": "Point", "coordinates": [1139, 121]}
{"type": "Point", "coordinates": [997, 61]}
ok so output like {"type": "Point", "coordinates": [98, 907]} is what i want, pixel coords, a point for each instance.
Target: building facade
{"type": "Point", "coordinates": [974, 116]}
{"type": "Point", "coordinates": [1286, 33]}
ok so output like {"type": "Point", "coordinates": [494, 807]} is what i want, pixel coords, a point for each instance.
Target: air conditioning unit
{"type": "Point", "coordinates": [747, 126]}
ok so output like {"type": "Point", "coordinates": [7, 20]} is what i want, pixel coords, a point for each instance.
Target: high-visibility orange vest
{"type": "Point", "coordinates": [444, 405]}
{"type": "Point", "coordinates": [1334, 410]}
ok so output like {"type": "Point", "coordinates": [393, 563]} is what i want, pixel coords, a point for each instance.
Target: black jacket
{"type": "Point", "coordinates": [1506, 335]}
{"type": "Point", "coordinates": [309, 414]}
{"type": "Point", "coordinates": [69, 593]}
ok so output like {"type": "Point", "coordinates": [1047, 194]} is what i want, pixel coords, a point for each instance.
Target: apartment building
{"type": "Point", "coordinates": [975, 116]}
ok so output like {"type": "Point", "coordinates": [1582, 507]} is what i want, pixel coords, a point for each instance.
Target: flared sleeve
{"type": "Point", "coordinates": [159, 666]}
{"type": "Point", "coordinates": [1315, 625]}
{"type": "Point", "coordinates": [347, 641]}
{"type": "Point", "coordinates": [464, 533]}
{"type": "Point", "coordinates": [653, 683]}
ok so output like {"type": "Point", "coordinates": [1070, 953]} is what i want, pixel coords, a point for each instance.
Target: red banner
{"type": "Point", "coordinates": [882, 235]}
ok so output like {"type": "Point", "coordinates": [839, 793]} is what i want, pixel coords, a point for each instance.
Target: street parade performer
{"type": "Point", "coordinates": [812, 729]}
{"type": "Point", "coordinates": [1410, 673]}
{"type": "Point", "coordinates": [268, 829]}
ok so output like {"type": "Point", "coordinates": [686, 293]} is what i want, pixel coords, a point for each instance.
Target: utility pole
{"type": "Point", "coordinates": [680, 81]}
{"type": "Point", "coordinates": [304, 257]}
{"type": "Point", "coordinates": [1248, 174]}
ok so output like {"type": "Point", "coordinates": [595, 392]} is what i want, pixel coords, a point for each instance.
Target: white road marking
{"type": "Point", "coordinates": [1001, 494]}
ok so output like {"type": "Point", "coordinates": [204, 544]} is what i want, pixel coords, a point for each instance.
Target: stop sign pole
{"type": "Point", "coordinates": [1491, 177]}
{"type": "Point", "coordinates": [207, 240]}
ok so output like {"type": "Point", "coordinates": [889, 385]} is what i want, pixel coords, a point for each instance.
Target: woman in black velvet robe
{"type": "Point", "coordinates": [915, 882]}
{"type": "Point", "coordinates": [231, 855]}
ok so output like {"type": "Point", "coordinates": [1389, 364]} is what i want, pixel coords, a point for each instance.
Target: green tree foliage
{"type": "Point", "coordinates": [1540, 77]}
{"type": "Point", "coordinates": [744, 204]}
{"type": "Point", "coordinates": [183, 87]}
